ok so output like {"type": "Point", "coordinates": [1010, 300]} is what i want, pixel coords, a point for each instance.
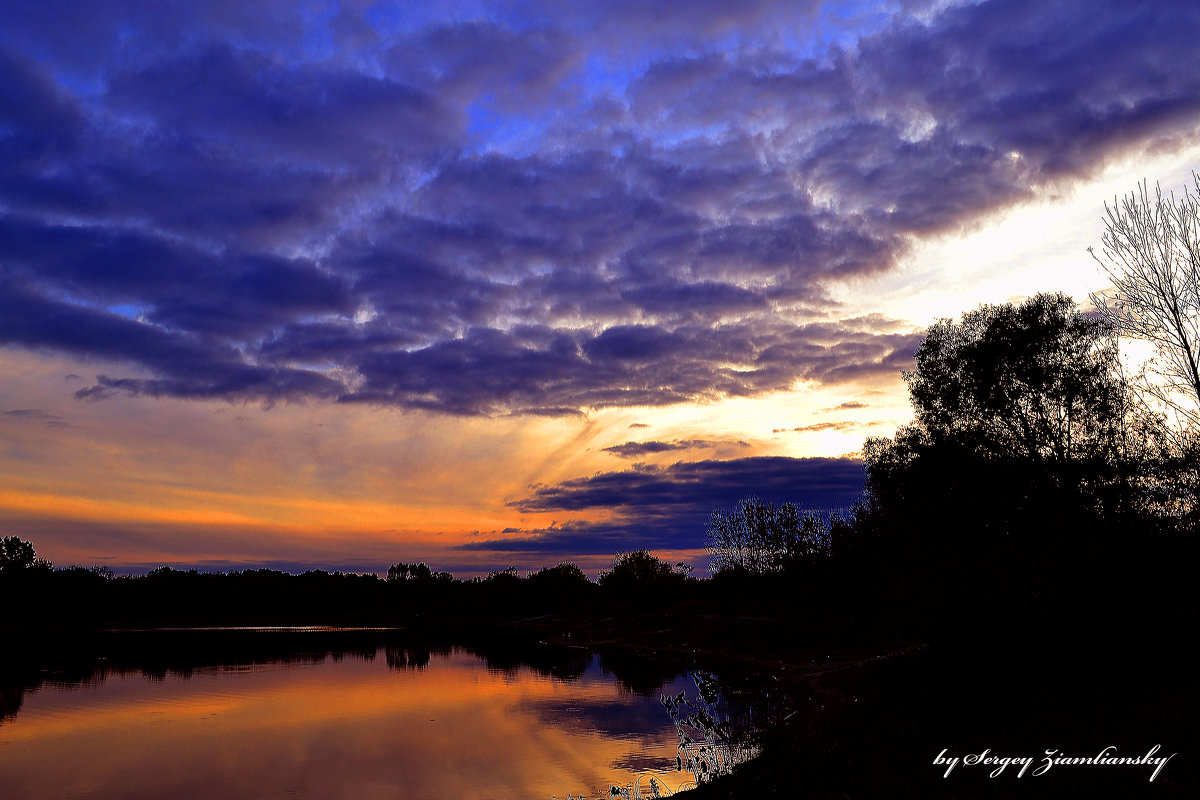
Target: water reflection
{"type": "Point", "coordinates": [394, 719]}
{"type": "Point", "coordinates": [719, 727]}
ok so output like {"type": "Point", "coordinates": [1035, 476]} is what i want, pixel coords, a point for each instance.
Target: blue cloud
{"type": "Point", "coordinates": [667, 507]}
{"type": "Point", "coordinates": [529, 207]}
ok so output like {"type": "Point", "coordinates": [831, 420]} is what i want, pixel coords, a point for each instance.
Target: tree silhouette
{"type": "Point", "coordinates": [758, 537]}
{"type": "Point", "coordinates": [420, 573]}
{"type": "Point", "coordinates": [18, 556]}
{"type": "Point", "coordinates": [641, 569]}
{"type": "Point", "coordinates": [565, 577]}
{"type": "Point", "coordinates": [1036, 382]}
{"type": "Point", "coordinates": [1021, 421]}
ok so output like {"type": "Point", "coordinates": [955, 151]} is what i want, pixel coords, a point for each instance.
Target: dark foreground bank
{"type": "Point", "coordinates": [871, 681]}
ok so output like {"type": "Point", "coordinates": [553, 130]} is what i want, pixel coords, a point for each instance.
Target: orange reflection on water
{"type": "Point", "coordinates": [351, 728]}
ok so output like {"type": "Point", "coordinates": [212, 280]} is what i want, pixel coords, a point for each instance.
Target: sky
{"type": "Point", "coordinates": [490, 284]}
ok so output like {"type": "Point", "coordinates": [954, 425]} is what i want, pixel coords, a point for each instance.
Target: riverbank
{"type": "Point", "coordinates": [870, 709]}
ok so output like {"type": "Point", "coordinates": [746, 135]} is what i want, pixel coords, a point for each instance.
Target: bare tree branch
{"type": "Point", "coordinates": [1151, 252]}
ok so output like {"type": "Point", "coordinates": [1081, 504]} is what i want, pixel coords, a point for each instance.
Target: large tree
{"type": "Point", "coordinates": [1151, 252]}
{"type": "Point", "coordinates": [1021, 421]}
{"type": "Point", "coordinates": [1035, 382]}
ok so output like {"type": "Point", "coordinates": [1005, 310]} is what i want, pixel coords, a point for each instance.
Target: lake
{"type": "Point", "coordinates": [299, 718]}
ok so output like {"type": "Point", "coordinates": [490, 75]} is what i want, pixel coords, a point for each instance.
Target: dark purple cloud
{"type": "Point", "coordinates": [541, 370]}
{"type": "Point", "coordinates": [639, 449]}
{"type": "Point", "coordinates": [667, 507]}
{"type": "Point", "coordinates": [37, 415]}
{"type": "Point", "coordinates": [815, 481]}
{"type": "Point", "coordinates": [189, 366]}
{"type": "Point", "coordinates": [511, 69]}
{"type": "Point", "coordinates": [266, 108]}
{"type": "Point", "coordinates": [528, 207]}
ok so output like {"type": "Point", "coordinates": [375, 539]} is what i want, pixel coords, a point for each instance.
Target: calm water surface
{"type": "Point", "coordinates": [384, 723]}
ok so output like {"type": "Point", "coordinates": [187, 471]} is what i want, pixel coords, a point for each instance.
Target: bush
{"type": "Point", "coordinates": [566, 576]}
{"type": "Point", "coordinates": [759, 537]}
{"type": "Point", "coordinates": [642, 569]}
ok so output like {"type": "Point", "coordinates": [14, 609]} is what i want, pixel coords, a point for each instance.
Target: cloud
{"type": "Point", "coordinates": [540, 370]}
{"type": "Point", "coordinates": [849, 405]}
{"type": "Point", "coordinates": [267, 108]}
{"type": "Point", "coordinates": [638, 449]}
{"type": "Point", "coordinates": [667, 507]}
{"type": "Point", "coordinates": [484, 61]}
{"type": "Point", "coordinates": [535, 208]}
{"type": "Point", "coordinates": [187, 366]}
{"type": "Point", "coordinates": [815, 481]}
{"type": "Point", "coordinates": [821, 427]}
{"type": "Point", "coordinates": [38, 415]}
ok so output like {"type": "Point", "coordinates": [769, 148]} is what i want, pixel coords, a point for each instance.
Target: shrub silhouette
{"type": "Point", "coordinates": [758, 537]}
{"type": "Point", "coordinates": [641, 570]}
{"type": "Point", "coordinates": [566, 577]}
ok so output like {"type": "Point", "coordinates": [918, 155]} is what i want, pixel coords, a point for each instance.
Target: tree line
{"type": "Point", "coordinates": [408, 592]}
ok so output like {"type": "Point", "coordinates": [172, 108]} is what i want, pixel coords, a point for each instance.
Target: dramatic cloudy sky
{"type": "Point", "coordinates": [488, 283]}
